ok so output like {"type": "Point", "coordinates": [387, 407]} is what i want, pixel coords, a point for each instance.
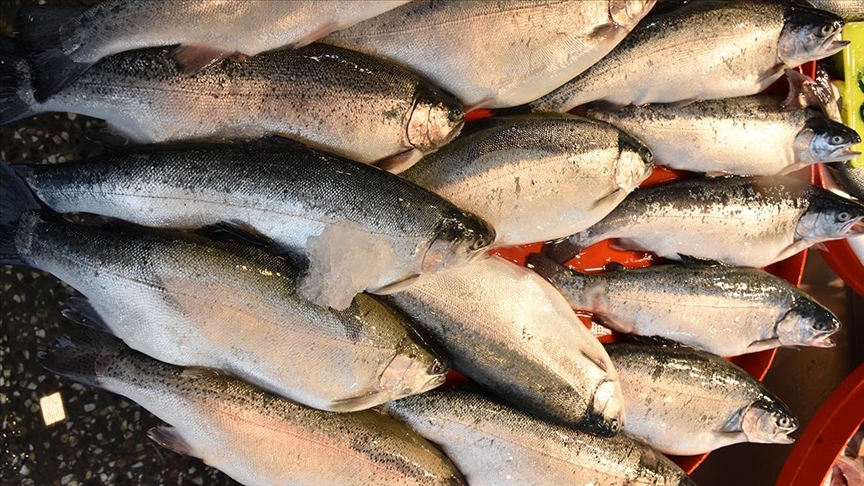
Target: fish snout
{"type": "Point", "coordinates": [458, 241]}
{"type": "Point", "coordinates": [606, 416]}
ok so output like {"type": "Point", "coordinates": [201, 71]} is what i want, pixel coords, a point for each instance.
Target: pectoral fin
{"type": "Point", "coordinates": [396, 286]}
{"type": "Point", "coordinates": [363, 402]}
{"type": "Point", "coordinates": [757, 346]}
{"type": "Point", "coordinates": [192, 58]}
{"type": "Point", "coordinates": [401, 161]}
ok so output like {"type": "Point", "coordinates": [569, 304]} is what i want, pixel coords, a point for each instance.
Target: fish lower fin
{"type": "Point", "coordinates": [169, 438]}
{"type": "Point", "coordinates": [396, 286]}
{"type": "Point", "coordinates": [53, 70]}
{"type": "Point", "coordinates": [321, 32]}
{"type": "Point", "coordinates": [80, 357]}
{"type": "Point", "coordinates": [79, 311]}
{"type": "Point", "coordinates": [562, 251]}
{"type": "Point", "coordinates": [237, 233]}
{"type": "Point", "coordinates": [16, 200]}
{"type": "Point", "coordinates": [194, 58]}
{"type": "Point", "coordinates": [363, 402]}
{"type": "Point", "coordinates": [39, 26]}
{"type": "Point", "coordinates": [16, 95]}
{"type": "Point", "coordinates": [757, 346]}
{"type": "Point", "coordinates": [400, 162]}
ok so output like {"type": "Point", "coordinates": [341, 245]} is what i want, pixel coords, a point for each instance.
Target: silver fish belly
{"type": "Point", "coordinates": [330, 98]}
{"type": "Point", "coordinates": [194, 302]}
{"type": "Point", "coordinates": [704, 50]}
{"type": "Point", "coordinates": [537, 178]}
{"type": "Point", "coordinates": [494, 444]}
{"type": "Point", "coordinates": [682, 401]}
{"type": "Point", "coordinates": [496, 54]}
{"type": "Point", "coordinates": [509, 330]}
{"type": "Point", "coordinates": [724, 310]}
{"type": "Point", "coordinates": [254, 437]}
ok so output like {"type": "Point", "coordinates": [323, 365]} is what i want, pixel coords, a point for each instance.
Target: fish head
{"type": "Point", "coordinates": [809, 34]}
{"type": "Point", "coordinates": [458, 241]}
{"type": "Point", "coordinates": [437, 118]}
{"type": "Point", "coordinates": [635, 163]}
{"type": "Point", "coordinates": [605, 416]}
{"type": "Point", "coordinates": [413, 370]}
{"type": "Point", "coordinates": [768, 421]}
{"type": "Point", "coordinates": [830, 217]}
{"type": "Point", "coordinates": [807, 323]}
{"type": "Point", "coordinates": [628, 13]}
{"type": "Point", "coordinates": [824, 140]}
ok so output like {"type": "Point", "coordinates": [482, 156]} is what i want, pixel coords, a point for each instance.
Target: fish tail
{"type": "Point", "coordinates": [16, 95]}
{"type": "Point", "coordinates": [82, 357]}
{"type": "Point", "coordinates": [17, 199]}
{"type": "Point", "coordinates": [39, 28]}
{"type": "Point", "coordinates": [565, 250]}
{"type": "Point", "coordinates": [547, 268]}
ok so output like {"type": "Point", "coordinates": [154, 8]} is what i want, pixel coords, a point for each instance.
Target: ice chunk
{"type": "Point", "coordinates": [343, 260]}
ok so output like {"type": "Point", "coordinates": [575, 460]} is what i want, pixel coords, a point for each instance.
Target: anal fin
{"type": "Point", "coordinates": [194, 58]}
{"type": "Point", "coordinates": [169, 438]}
{"type": "Point", "coordinates": [80, 311]}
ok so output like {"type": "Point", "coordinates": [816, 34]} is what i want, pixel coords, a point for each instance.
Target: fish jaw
{"type": "Point", "coordinates": [437, 118]}
{"type": "Point", "coordinates": [606, 417]}
{"type": "Point", "coordinates": [406, 375]}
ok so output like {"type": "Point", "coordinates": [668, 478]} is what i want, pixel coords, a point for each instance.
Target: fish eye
{"type": "Point", "coordinates": [436, 368]}
{"type": "Point", "coordinates": [837, 140]}
{"type": "Point", "coordinates": [843, 216]}
{"type": "Point", "coordinates": [478, 244]}
{"type": "Point", "coordinates": [827, 29]}
{"type": "Point", "coordinates": [784, 422]}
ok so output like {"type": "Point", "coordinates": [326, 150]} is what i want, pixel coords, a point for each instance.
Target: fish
{"type": "Point", "coordinates": [683, 401]}
{"type": "Point", "coordinates": [190, 301]}
{"type": "Point", "coordinates": [537, 178]}
{"type": "Point", "coordinates": [73, 39]}
{"type": "Point", "coordinates": [750, 135]}
{"type": "Point", "coordinates": [510, 331]}
{"type": "Point", "coordinates": [736, 220]}
{"type": "Point", "coordinates": [496, 54]}
{"type": "Point", "coordinates": [495, 444]}
{"type": "Point", "coordinates": [328, 98]}
{"type": "Point", "coordinates": [850, 10]}
{"type": "Point", "coordinates": [313, 206]}
{"type": "Point", "coordinates": [725, 310]}
{"type": "Point", "coordinates": [704, 50]}
{"type": "Point", "coordinates": [252, 436]}
{"type": "Point", "coordinates": [850, 179]}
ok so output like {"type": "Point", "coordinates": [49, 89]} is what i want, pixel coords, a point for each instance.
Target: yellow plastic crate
{"type": "Point", "coordinates": [852, 89]}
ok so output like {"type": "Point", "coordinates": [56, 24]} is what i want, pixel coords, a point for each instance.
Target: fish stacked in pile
{"type": "Point", "coordinates": [271, 285]}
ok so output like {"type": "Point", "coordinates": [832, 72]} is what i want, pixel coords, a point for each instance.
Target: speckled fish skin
{"type": "Point", "coordinates": [288, 194]}
{"type": "Point", "coordinates": [244, 26]}
{"type": "Point", "coordinates": [497, 54]}
{"type": "Point", "coordinates": [685, 402]}
{"type": "Point", "coordinates": [330, 98]}
{"type": "Point", "coordinates": [254, 437]}
{"type": "Point", "coordinates": [850, 10]}
{"type": "Point", "coordinates": [849, 178]}
{"type": "Point", "coordinates": [744, 221]}
{"type": "Point", "coordinates": [496, 445]}
{"type": "Point", "coordinates": [705, 50]}
{"type": "Point", "coordinates": [750, 135]}
{"type": "Point", "coordinates": [193, 302]}
{"type": "Point", "coordinates": [724, 310]}
{"type": "Point", "coordinates": [537, 178]}
{"type": "Point", "coordinates": [512, 332]}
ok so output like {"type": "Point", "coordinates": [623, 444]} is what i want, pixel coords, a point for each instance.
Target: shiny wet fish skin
{"type": "Point", "coordinates": [190, 301]}
{"type": "Point", "coordinates": [743, 136]}
{"type": "Point", "coordinates": [496, 54]}
{"type": "Point", "coordinates": [536, 178]}
{"type": "Point", "coordinates": [254, 437]}
{"type": "Point", "coordinates": [326, 97]}
{"type": "Point", "coordinates": [742, 221]}
{"type": "Point", "coordinates": [509, 330]}
{"type": "Point", "coordinates": [288, 194]}
{"type": "Point", "coordinates": [850, 10]}
{"type": "Point", "coordinates": [724, 310]}
{"type": "Point", "coordinates": [213, 28]}
{"type": "Point", "coordinates": [685, 402]}
{"type": "Point", "coordinates": [494, 444]}
{"type": "Point", "coordinates": [651, 66]}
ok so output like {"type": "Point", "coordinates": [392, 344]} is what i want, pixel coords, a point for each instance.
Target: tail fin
{"type": "Point", "coordinates": [16, 200]}
{"type": "Point", "coordinates": [564, 250]}
{"type": "Point", "coordinates": [81, 357]}
{"type": "Point", "coordinates": [39, 27]}
{"type": "Point", "coordinates": [16, 94]}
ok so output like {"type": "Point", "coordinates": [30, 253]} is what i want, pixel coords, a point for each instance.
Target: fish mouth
{"type": "Point", "coordinates": [857, 227]}
{"type": "Point", "coordinates": [822, 341]}
{"type": "Point", "coordinates": [844, 154]}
